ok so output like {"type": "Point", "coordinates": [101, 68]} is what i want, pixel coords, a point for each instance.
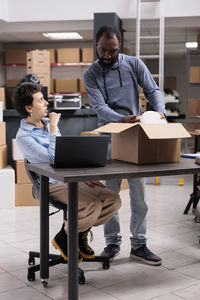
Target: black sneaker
{"type": "Point", "coordinates": [84, 248]}
{"type": "Point", "coordinates": [110, 251]}
{"type": "Point", "coordinates": [145, 255]}
{"type": "Point", "coordinates": [60, 243]}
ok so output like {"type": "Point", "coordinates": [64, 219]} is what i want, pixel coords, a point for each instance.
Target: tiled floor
{"type": "Point", "coordinates": [172, 235]}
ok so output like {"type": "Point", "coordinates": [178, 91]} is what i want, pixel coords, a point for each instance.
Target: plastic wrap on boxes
{"type": "Point", "coordinates": [16, 152]}
{"type": "Point", "coordinates": [7, 187]}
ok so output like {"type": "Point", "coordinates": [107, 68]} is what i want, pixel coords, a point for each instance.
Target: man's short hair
{"type": "Point", "coordinates": [24, 96]}
{"type": "Point", "coordinates": [110, 32]}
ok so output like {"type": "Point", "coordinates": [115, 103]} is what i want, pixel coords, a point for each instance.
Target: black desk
{"type": "Point", "coordinates": [114, 169]}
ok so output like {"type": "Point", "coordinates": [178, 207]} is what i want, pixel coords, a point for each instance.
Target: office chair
{"type": "Point", "coordinates": [54, 259]}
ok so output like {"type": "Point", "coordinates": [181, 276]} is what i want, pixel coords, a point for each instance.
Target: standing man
{"type": "Point", "coordinates": [112, 85]}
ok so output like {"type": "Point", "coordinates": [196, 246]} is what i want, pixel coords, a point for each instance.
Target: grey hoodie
{"type": "Point", "coordinates": [113, 91]}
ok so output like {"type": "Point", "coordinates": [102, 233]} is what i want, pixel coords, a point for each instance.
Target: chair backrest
{"type": "Point", "coordinates": [36, 189]}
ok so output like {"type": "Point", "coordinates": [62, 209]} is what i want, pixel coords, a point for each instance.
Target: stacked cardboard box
{"type": "Point", "coordinates": [68, 55]}
{"type": "Point", "coordinates": [15, 56]}
{"type": "Point", "coordinates": [23, 186]}
{"type": "Point", "coordinates": [194, 107]}
{"type": "Point", "coordinates": [195, 74]}
{"type": "Point", "coordinates": [38, 62]}
{"type": "Point", "coordinates": [87, 55]}
{"type": "Point", "coordinates": [7, 176]}
{"type": "Point", "coordinates": [2, 97]}
{"type": "Point", "coordinates": [66, 85]}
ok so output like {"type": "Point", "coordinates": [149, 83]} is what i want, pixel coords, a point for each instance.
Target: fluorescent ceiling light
{"type": "Point", "coordinates": [191, 45]}
{"type": "Point", "coordinates": [63, 36]}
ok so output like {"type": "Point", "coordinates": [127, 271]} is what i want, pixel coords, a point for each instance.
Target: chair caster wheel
{"type": "Point", "coordinates": [31, 261]}
{"type": "Point", "coordinates": [106, 265]}
{"type": "Point", "coordinates": [81, 279]}
{"type": "Point", "coordinates": [44, 283]}
{"type": "Point", "coordinates": [31, 276]}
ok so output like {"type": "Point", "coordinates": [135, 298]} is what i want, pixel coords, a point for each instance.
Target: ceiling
{"type": "Point", "coordinates": [177, 32]}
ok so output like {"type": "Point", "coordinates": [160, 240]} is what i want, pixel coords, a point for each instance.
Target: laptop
{"type": "Point", "coordinates": [80, 151]}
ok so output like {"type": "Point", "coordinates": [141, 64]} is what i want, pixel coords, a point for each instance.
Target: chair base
{"type": "Point", "coordinates": [55, 259]}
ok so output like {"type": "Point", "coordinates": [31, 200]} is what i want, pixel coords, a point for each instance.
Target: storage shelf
{"type": "Point", "coordinates": [81, 64]}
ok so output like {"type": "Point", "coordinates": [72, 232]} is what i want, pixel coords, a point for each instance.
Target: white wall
{"type": "Point", "coordinates": [4, 10]}
{"type": "Point", "coordinates": [45, 10]}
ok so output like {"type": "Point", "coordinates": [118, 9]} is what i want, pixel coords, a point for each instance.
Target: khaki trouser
{"type": "Point", "coordinates": [96, 205]}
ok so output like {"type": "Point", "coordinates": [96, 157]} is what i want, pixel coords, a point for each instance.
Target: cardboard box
{"type": "Point", "coordinates": [87, 55]}
{"type": "Point", "coordinates": [21, 174]}
{"type": "Point", "coordinates": [2, 133]}
{"type": "Point", "coordinates": [15, 56]}
{"type": "Point", "coordinates": [194, 74]}
{"type": "Point", "coordinates": [7, 187]}
{"type": "Point", "coordinates": [23, 195]}
{"type": "Point", "coordinates": [145, 143]}
{"type": "Point", "coordinates": [2, 97]}
{"type": "Point", "coordinates": [194, 107]}
{"type": "Point", "coordinates": [82, 87]}
{"type": "Point", "coordinates": [66, 85]}
{"type": "Point", "coordinates": [52, 56]}
{"type": "Point", "coordinates": [3, 156]}
{"type": "Point", "coordinates": [16, 152]}
{"type": "Point", "coordinates": [52, 85]}
{"type": "Point", "coordinates": [1, 111]}
{"type": "Point", "coordinates": [89, 133]}
{"type": "Point", "coordinates": [12, 82]}
{"type": "Point", "coordinates": [68, 55]}
{"type": "Point", "coordinates": [170, 82]}
{"type": "Point", "coordinates": [38, 62]}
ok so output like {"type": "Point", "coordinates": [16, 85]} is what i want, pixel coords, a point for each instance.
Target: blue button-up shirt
{"type": "Point", "coordinates": [36, 144]}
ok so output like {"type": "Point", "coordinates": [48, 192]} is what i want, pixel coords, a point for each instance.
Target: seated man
{"type": "Point", "coordinates": [36, 139]}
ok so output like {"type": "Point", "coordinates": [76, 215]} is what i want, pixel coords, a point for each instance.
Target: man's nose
{"type": "Point", "coordinates": [107, 54]}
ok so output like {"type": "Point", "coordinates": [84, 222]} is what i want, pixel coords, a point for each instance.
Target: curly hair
{"type": "Point", "coordinates": [24, 96]}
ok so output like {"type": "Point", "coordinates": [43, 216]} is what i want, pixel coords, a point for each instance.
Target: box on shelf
{"type": "Point", "coordinates": [66, 85]}
{"type": "Point", "coordinates": [68, 55]}
{"type": "Point", "coordinates": [12, 82]}
{"type": "Point", "coordinates": [2, 133]}
{"type": "Point", "coordinates": [194, 107]}
{"type": "Point", "coordinates": [52, 85]}
{"type": "Point", "coordinates": [7, 187]}
{"type": "Point", "coordinates": [2, 97]}
{"type": "Point", "coordinates": [21, 175]}
{"type": "Point", "coordinates": [15, 56]}
{"type": "Point", "coordinates": [1, 111]}
{"type": "Point", "coordinates": [82, 86]}
{"type": "Point", "coordinates": [145, 143]}
{"type": "Point", "coordinates": [23, 195]}
{"type": "Point", "coordinates": [87, 55]}
{"type": "Point", "coordinates": [170, 82]}
{"type": "Point", "coordinates": [3, 156]}
{"type": "Point", "coordinates": [52, 56]}
{"type": "Point", "coordinates": [16, 152]}
{"type": "Point", "coordinates": [194, 74]}
{"type": "Point", "coordinates": [38, 62]}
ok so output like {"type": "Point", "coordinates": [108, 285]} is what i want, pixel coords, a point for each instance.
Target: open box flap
{"type": "Point", "coordinates": [115, 127]}
{"type": "Point", "coordinates": [165, 131]}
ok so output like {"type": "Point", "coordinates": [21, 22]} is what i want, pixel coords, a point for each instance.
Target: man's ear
{"type": "Point", "coordinates": [28, 108]}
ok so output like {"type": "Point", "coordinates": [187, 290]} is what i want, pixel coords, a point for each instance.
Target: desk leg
{"type": "Point", "coordinates": [44, 228]}
{"type": "Point", "coordinates": [73, 241]}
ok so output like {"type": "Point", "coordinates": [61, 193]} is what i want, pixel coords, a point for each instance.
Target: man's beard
{"type": "Point", "coordinates": [110, 63]}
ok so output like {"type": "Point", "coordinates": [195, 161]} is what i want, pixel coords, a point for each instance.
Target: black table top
{"type": "Point", "coordinates": [117, 169]}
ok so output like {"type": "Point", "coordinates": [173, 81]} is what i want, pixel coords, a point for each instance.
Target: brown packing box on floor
{"type": "Point", "coordinates": [2, 133]}
{"type": "Point", "coordinates": [68, 55]}
{"type": "Point", "coordinates": [23, 195]}
{"type": "Point", "coordinates": [21, 175]}
{"type": "Point", "coordinates": [87, 55]}
{"type": "Point", "coordinates": [3, 156]}
{"type": "Point", "coordinates": [194, 107]}
{"type": "Point", "coordinates": [145, 143]}
{"type": "Point", "coordinates": [15, 56]}
{"type": "Point", "coordinates": [66, 85]}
